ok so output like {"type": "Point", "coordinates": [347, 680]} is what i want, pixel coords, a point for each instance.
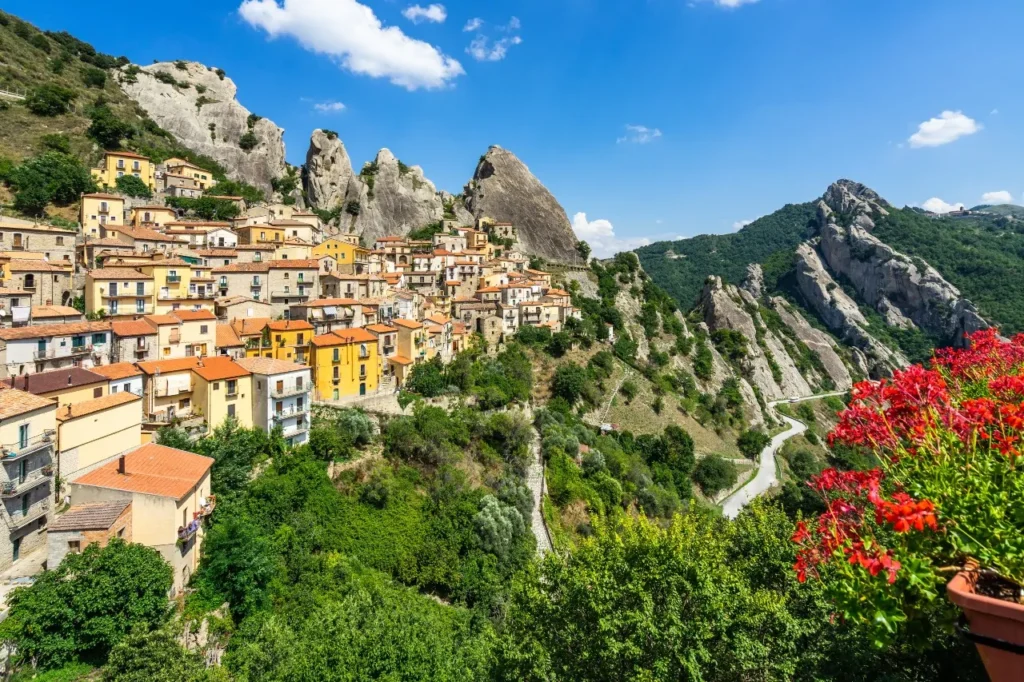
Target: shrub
{"type": "Point", "coordinates": [133, 187]}
{"type": "Point", "coordinates": [752, 442]}
{"type": "Point", "coordinates": [714, 473]}
{"type": "Point", "coordinates": [569, 382]}
{"type": "Point", "coordinates": [39, 41]}
{"type": "Point", "coordinates": [220, 73]}
{"type": "Point", "coordinates": [353, 207]}
{"type": "Point", "coordinates": [628, 389]}
{"type": "Point", "coordinates": [56, 142]}
{"type": "Point", "coordinates": [559, 345]}
{"type": "Point", "coordinates": [93, 77]}
{"type": "Point", "coordinates": [49, 100]}
{"type": "Point", "coordinates": [248, 141]}
{"type": "Point", "coordinates": [50, 177]}
{"type": "Point", "coordinates": [107, 129]}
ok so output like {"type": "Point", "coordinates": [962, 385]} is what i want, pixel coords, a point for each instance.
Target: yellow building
{"type": "Point", "coordinates": [99, 209]}
{"type": "Point", "coordinates": [293, 250]}
{"type": "Point", "coordinates": [167, 389]}
{"type": "Point", "coordinates": [152, 216]}
{"type": "Point", "coordinates": [119, 291]}
{"type": "Point", "coordinates": [283, 340]}
{"type": "Point", "coordinates": [185, 333]}
{"type": "Point", "coordinates": [222, 388]}
{"type": "Point", "coordinates": [117, 164]}
{"type": "Point", "coordinates": [345, 363]}
{"type": "Point", "coordinates": [345, 254]}
{"type": "Point", "coordinates": [179, 284]}
{"type": "Point", "coordinates": [91, 430]}
{"type": "Point", "coordinates": [201, 176]}
{"type": "Point", "coordinates": [259, 234]}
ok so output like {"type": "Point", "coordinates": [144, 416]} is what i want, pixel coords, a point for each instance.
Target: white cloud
{"type": "Point", "coordinates": [733, 4]}
{"type": "Point", "coordinates": [740, 224]}
{"type": "Point", "coordinates": [329, 107]}
{"type": "Point", "coordinates": [1000, 197]}
{"type": "Point", "coordinates": [483, 50]}
{"type": "Point", "coordinates": [639, 134]}
{"type": "Point", "coordinates": [351, 33]}
{"type": "Point", "coordinates": [937, 205]}
{"type": "Point", "coordinates": [435, 13]}
{"type": "Point", "coordinates": [995, 112]}
{"type": "Point", "coordinates": [601, 236]}
{"type": "Point", "coordinates": [948, 127]}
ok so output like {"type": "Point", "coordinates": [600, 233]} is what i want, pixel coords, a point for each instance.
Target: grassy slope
{"type": "Point", "coordinates": [680, 267]}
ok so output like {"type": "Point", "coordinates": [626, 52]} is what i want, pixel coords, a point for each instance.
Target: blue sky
{"type": "Point", "coordinates": [735, 107]}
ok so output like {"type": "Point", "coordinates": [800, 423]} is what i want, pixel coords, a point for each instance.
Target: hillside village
{"type": "Point", "coordinates": [143, 319]}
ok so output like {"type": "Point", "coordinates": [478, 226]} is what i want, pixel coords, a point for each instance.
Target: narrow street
{"type": "Point", "coordinates": [535, 481]}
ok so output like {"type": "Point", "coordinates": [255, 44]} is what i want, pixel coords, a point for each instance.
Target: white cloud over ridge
{"type": "Point", "coordinates": [740, 224]}
{"type": "Point", "coordinates": [637, 134]}
{"type": "Point", "coordinates": [999, 197]}
{"type": "Point", "coordinates": [329, 107]}
{"type": "Point", "coordinates": [434, 13]}
{"type": "Point", "coordinates": [600, 235]}
{"type": "Point", "coordinates": [352, 34]}
{"type": "Point", "coordinates": [937, 205]}
{"type": "Point", "coordinates": [947, 127]}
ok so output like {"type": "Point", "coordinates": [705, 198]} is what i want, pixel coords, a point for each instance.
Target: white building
{"type": "Point", "coordinates": [27, 350]}
{"type": "Point", "coordinates": [280, 395]}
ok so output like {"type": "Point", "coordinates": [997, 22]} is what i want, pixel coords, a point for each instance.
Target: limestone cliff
{"type": "Point", "coordinates": [504, 189]}
{"type": "Point", "coordinates": [198, 106]}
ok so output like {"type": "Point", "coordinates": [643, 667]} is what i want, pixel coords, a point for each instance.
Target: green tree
{"type": "Point", "coordinates": [714, 473]}
{"type": "Point", "coordinates": [498, 526]}
{"type": "Point", "coordinates": [583, 249]}
{"type": "Point", "coordinates": [239, 560]}
{"type": "Point", "coordinates": [93, 77]}
{"type": "Point", "coordinates": [154, 656]}
{"type": "Point", "coordinates": [248, 141]}
{"type": "Point", "coordinates": [174, 437]}
{"type": "Point", "coordinates": [560, 344]}
{"type": "Point", "coordinates": [82, 608]}
{"type": "Point", "coordinates": [569, 382]}
{"type": "Point", "coordinates": [427, 378]}
{"type": "Point", "coordinates": [133, 187]}
{"type": "Point", "coordinates": [55, 142]}
{"type": "Point", "coordinates": [50, 177]}
{"type": "Point", "coordinates": [752, 441]}
{"type": "Point", "coordinates": [49, 100]}
{"type": "Point", "coordinates": [330, 444]}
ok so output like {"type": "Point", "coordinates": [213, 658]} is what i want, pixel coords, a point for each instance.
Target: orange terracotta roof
{"type": "Point", "coordinates": [380, 328]}
{"type": "Point", "coordinates": [247, 326]}
{"type": "Point", "coordinates": [438, 318]}
{"type": "Point", "coordinates": [289, 325]}
{"type": "Point", "coordinates": [130, 155]}
{"type": "Point", "coordinates": [408, 324]}
{"type": "Point", "coordinates": [270, 366]}
{"type": "Point", "coordinates": [101, 195]}
{"type": "Point", "coordinates": [226, 337]}
{"type": "Point", "coordinates": [556, 292]}
{"type": "Point", "coordinates": [296, 264]}
{"type": "Point", "coordinates": [324, 302]}
{"type": "Point", "coordinates": [242, 267]}
{"type": "Point", "coordinates": [133, 328]}
{"type": "Point", "coordinates": [218, 253]}
{"type": "Point", "coordinates": [488, 290]}
{"type": "Point", "coordinates": [36, 266]}
{"type": "Point", "coordinates": [50, 330]}
{"type": "Point", "coordinates": [355, 335]}
{"type": "Point", "coordinates": [219, 367]}
{"type": "Point", "coordinates": [193, 315]}
{"type": "Point", "coordinates": [118, 370]}
{"type": "Point", "coordinates": [452, 282]}
{"type": "Point", "coordinates": [152, 469]}
{"type": "Point", "coordinates": [43, 311]}
{"type": "Point", "coordinates": [161, 320]}
{"type": "Point", "coordinates": [86, 407]}
{"type": "Point", "coordinates": [399, 360]}
{"type": "Point", "coordinates": [165, 366]}
{"type": "Point", "coordinates": [14, 402]}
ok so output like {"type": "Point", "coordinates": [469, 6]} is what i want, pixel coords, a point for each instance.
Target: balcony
{"type": "Point", "coordinates": [168, 391]}
{"type": "Point", "coordinates": [298, 293]}
{"type": "Point", "coordinates": [41, 443]}
{"type": "Point", "coordinates": [20, 246]}
{"type": "Point", "coordinates": [20, 520]}
{"type": "Point", "coordinates": [288, 392]}
{"type": "Point", "coordinates": [81, 350]}
{"type": "Point", "coordinates": [11, 489]}
{"type": "Point", "coordinates": [290, 412]}
{"type": "Point", "coordinates": [141, 348]}
{"type": "Point", "coordinates": [173, 279]}
{"type": "Point", "coordinates": [127, 294]}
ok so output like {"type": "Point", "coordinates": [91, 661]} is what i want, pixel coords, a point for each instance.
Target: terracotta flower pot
{"type": "Point", "coordinates": [996, 628]}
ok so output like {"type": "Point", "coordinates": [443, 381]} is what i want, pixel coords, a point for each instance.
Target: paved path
{"type": "Point", "coordinates": [765, 478]}
{"type": "Point", "coordinates": [535, 481]}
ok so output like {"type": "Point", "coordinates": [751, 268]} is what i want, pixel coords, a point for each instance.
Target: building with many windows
{"type": "Point", "coordinates": [118, 163]}
{"type": "Point", "coordinates": [281, 396]}
{"type": "Point", "coordinates": [222, 388]}
{"type": "Point", "coordinates": [27, 350]}
{"type": "Point", "coordinates": [345, 363]}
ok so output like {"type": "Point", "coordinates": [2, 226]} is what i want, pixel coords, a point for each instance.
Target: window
{"type": "Point", "coordinates": [97, 392]}
{"type": "Point", "coordinates": [184, 403]}
{"type": "Point", "coordinates": [362, 370]}
{"type": "Point", "coordinates": [99, 339]}
{"type": "Point", "coordinates": [113, 389]}
{"type": "Point", "coordinates": [336, 374]}
{"type": "Point", "coordinates": [298, 383]}
{"type": "Point", "coordinates": [299, 339]}
{"type": "Point", "coordinates": [78, 342]}
{"type": "Point", "coordinates": [74, 547]}
{"type": "Point", "coordinates": [232, 386]}
{"type": "Point", "coordinates": [136, 166]}
{"type": "Point", "coordinates": [337, 355]}
{"type": "Point", "coordinates": [23, 436]}
{"type": "Point", "coordinates": [140, 288]}
{"type": "Point", "coordinates": [216, 385]}
{"type": "Point", "coordinates": [231, 410]}
{"type": "Point", "coordinates": [140, 305]}
{"type": "Point", "coordinates": [204, 329]}
{"type": "Point", "coordinates": [60, 241]}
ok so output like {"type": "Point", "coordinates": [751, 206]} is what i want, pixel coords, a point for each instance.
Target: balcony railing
{"type": "Point", "coordinates": [168, 391]}
{"type": "Point", "coordinates": [298, 293]}
{"type": "Point", "coordinates": [141, 348]}
{"type": "Point", "coordinates": [11, 489]}
{"type": "Point", "coordinates": [20, 519]}
{"type": "Point", "coordinates": [290, 412]}
{"type": "Point", "coordinates": [288, 392]}
{"type": "Point", "coordinates": [172, 279]}
{"type": "Point", "coordinates": [13, 454]}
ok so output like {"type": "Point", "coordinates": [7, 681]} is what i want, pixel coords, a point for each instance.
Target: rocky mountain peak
{"type": "Point", "coordinates": [328, 170]}
{"type": "Point", "coordinates": [503, 188]}
{"type": "Point", "coordinates": [196, 104]}
{"type": "Point", "coordinates": [849, 198]}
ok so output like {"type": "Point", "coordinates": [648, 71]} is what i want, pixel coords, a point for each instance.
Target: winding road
{"type": "Point", "coordinates": [765, 478]}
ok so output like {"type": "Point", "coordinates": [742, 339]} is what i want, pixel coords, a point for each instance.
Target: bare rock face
{"type": "Point", "coordinates": [397, 199]}
{"type": "Point", "coordinates": [328, 171]}
{"type": "Point", "coordinates": [753, 283]}
{"type": "Point", "coordinates": [887, 280]}
{"type": "Point", "coordinates": [504, 189]}
{"type": "Point", "coordinates": [820, 343]}
{"type": "Point", "coordinates": [767, 365]}
{"type": "Point", "coordinates": [199, 108]}
{"type": "Point", "coordinates": [840, 313]}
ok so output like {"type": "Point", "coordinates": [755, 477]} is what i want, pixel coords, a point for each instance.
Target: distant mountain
{"type": "Point", "coordinates": [1006, 210]}
{"type": "Point", "coordinates": [892, 282]}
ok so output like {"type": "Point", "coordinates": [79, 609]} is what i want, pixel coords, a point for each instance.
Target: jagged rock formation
{"type": "Point", "coordinates": [753, 283]}
{"type": "Point", "coordinates": [200, 110]}
{"type": "Point", "coordinates": [901, 288]}
{"type": "Point", "coordinates": [327, 174]}
{"type": "Point", "coordinates": [767, 364]}
{"type": "Point", "coordinates": [820, 343]}
{"type": "Point", "coordinates": [504, 189]}
{"type": "Point", "coordinates": [840, 312]}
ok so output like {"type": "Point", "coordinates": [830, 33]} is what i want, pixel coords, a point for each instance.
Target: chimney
{"type": "Point", "coordinates": [69, 378]}
{"type": "Point", "coordinates": [121, 465]}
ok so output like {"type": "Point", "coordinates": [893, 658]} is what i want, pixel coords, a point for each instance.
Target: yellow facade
{"type": "Point", "coordinates": [284, 340]}
{"type": "Point", "coordinates": [292, 251]}
{"type": "Point", "coordinates": [118, 291]}
{"type": "Point", "coordinates": [100, 209]}
{"type": "Point", "coordinates": [345, 363]}
{"type": "Point", "coordinates": [152, 215]}
{"type": "Point", "coordinates": [218, 395]}
{"type": "Point", "coordinates": [93, 431]}
{"type": "Point", "coordinates": [342, 252]}
{"type": "Point", "coordinates": [258, 234]}
{"type": "Point", "coordinates": [116, 164]}
{"type": "Point", "coordinates": [202, 177]}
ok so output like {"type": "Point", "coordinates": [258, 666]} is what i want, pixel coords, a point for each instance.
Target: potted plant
{"type": "Point", "coordinates": [945, 503]}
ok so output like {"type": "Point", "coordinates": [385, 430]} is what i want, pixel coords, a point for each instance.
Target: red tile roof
{"type": "Point", "coordinates": [51, 330]}
{"type": "Point", "coordinates": [227, 338]}
{"type": "Point", "coordinates": [408, 324]}
{"type": "Point", "coordinates": [118, 370]}
{"type": "Point", "coordinates": [133, 328]}
{"type": "Point", "coordinates": [165, 366]}
{"type": "Point", "coordinates": [218, 368]}
{"type": "Point", "coordinates": [87, 407]}
{"type": "Point", "coordinates": [193, 315]}
{"type": "Point", "coordinates": [152, 469]}
{"type": "Point", "coordinates": [289, 325]}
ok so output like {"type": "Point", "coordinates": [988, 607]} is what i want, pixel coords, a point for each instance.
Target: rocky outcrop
{"type": "Point", "coordinates": [767, 365]}
{"type": "Point", "coordinates": [504, 189]}
{"type": "Point", "coordinates": [198, 107]}
{"type": "Point", "coordinates": [327, 174]}
{"type": "Point", "coordinates": [819, 343]}
{"type": "Point", "coordinates": [889, 281]}
{"type": "Point", "coordinates": [840, 313]}
{"type": "Point", "coordinates": [753, 283]}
